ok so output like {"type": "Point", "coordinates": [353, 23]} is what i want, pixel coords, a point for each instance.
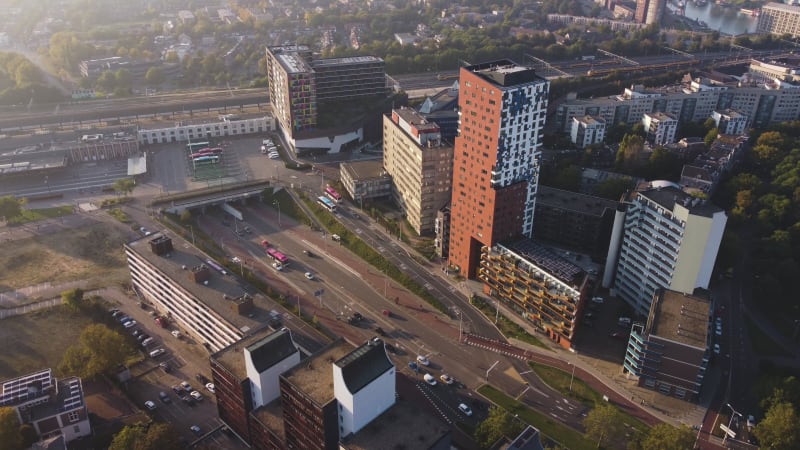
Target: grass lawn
{"type": "Point", "coordinates": [762, 344]}
{"type": "Point", "coordinates": [32, 215]}
{"type": "Point", "coordinates": [506, 326]}
{"type": "Point", "coordinates": [38, 340]}
{"type": "Point", "coordinates": [560, 381]}
{"type": "Point", "coordinates": [552, 429]}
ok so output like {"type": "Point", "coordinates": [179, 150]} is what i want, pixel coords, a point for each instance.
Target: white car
{"type": "Point", "coordinates": [150, 405]}
{"type": "Point", "coordinates": [196, 395]}
{"type": "Point", "coordinates": [195, 429]}
{"type": "Point", "coordinates": [429, 379]}
{"type": "Point", "coordinates": [309, 276]}
{"type": "Point", "coordinates": [598, 300]}
{"type": "Point", "coordinates": [716, 349]}
{"type": "Point", "coordinates": [277, 266]}
{"type": "Point", "coordinates": [465, 409]}
{"type": "Point", "coordinates": [274, 157]}
{"type": "Point", "coordinates": [130, 324]}
{"type": "Point", "coordinates": [423, 360]}
{"type": "Point", "coordinates": [186, 386]}
{"type": "Point", "coordinates": [751, 422]}
{"type": "Point", "coordinates": [211, 388]}
{"type": "Point", "coordinates": [446, 379]}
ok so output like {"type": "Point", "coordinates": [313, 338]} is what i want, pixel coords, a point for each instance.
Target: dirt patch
{"type": "Point", "coordinates": [93, 253]}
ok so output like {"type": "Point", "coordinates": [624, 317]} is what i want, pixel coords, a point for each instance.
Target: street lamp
{"type": "Point", "coordinates": [572, 377]}
{"type": "Point", "coordinates": [730, 422]}
{"type": "Point", "coordinates": [191, 229]}
{"type": "Point", "coordinates": [278, 205]}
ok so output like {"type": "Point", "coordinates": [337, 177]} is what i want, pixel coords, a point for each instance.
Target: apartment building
{"type": "Point", "coordinates": [496, 158]}
{"type": "Point", "coordinates": [442, 109]}
{"type": "Point", "coordinates": [662, 238]}
{"type": "Point", "coordinates": [365, 180]}
{"type": "Point", "coordinates": [692, 101]}
{"type": "Point", "coordinates": [649, 11]}
{"type": "Point", "coordinates": [420, 164]}
{"type": "Point", "coordinates": [545, 289]}
{"type": "Point", "coordinates": [192, 290]}
{"type": "Point", "coordinates": [587, 130]}
{"type": "Point", "coordinates": [779, 18]}
{"type": "Point", "coordinates": [670, 353]}
{"type": "Point", "coordinates": [730, 122]}
{"type": "Point", "coordinates": [53, 407]}
{"type": "Point", "coordinates": [660, 128]}
{"type": "Point", "coordinates": [784, 68]}
{"type": "Point", "coordinates": [574, 221]}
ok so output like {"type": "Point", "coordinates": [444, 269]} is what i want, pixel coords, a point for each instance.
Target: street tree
{"type": "Point", "coordinates": [139, 436]}
{"type": "Point", "coordinates": [499, 423]}
{"type": "Point", "coordinates": [10, 207]}
{"type": "Point", "coordinates": [630, 151]}
{"type": "Point", "coordinates": [780, 428]}
{"type": "Point", "coordinates": [710, 137]}
{"type": "Point", "coordinates": [124, 186]}
{"type": "Point", "coordinates": [99, 349]}
{"type": "Point", "coordinates": [603, 423]}
{"type": "Point", "coordinates": [613, 188]}
{"type": "Point", "coordinates": [154, 76]}
{"type": "Point", "coordinates": [9, 429]}
{"type": "Point", "coordinates": [664, 437]}
{"type": "Point", "coordinates": [73, 298]}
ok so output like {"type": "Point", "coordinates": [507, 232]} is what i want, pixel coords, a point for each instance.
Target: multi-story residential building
{"type": "Point", "coordinates": [404, 426]}
{"type": "Point", "coordinates": [662, 238]}
{"type": "Point", "coordinates": [245, 376]}
{"type": "Point", "coordinates": [660, 127]}
{"type": "Point", "coordinates": [51, 406]}
{"type": "Point", "coordinates": [192, 290]}
{"type": "Point", "coordinates": [784, 68]}
{"type": "Point", "coordinates": [587, 130]}
{"type": "Point", "coordinates": [299, 85]}
{"type": "Point", "coordinates": [365, 180]}
{"type": "Point", "coordinates": [729, 121]}
{"type": "Point", "coordinates": [545, 289]}
{"type": "Point", "coordinates": [496, 158]}
{"type": "Point", "coordinates": [693, 101]}
{"type": "Point", "coordinates": [421, 166]}
{"type": "Point", "coordinates": [649, 11]}
{"type": "Point", "coordinates": [441, 229]}
{"type": "Point", "coordinates": [707, 169]}
{"type": "Point", "coordinates": [575, 221]}
{"type": "Point", "coordinates": [442, 109]}
{"type": "Point", "coordinates": [779, 18]}
{"type": "Point", "coordinates": [670, 353]}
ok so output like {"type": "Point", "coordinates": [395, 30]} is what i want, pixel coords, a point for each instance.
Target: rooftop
{"type": "Point", "coordinates": [271, 416]}
{"type": "Point", "coordinates": [446, 98]}
{"type": "Point", "coordinates": [590, 120]}
{"type": "Point", "coordinates": [505, 73]}
{"type": "Point", "coordinates": [293, 63]}
{"type": "Point", "coordinates": [364, 364]}
{"type": "Point", "coordinates": [586, 204]}
{"type": "Point", "coordinates": [232, 356]}
{"type": "Point", "coordinates": [403, 426]}
{"type": "Point", "coordinates": [314, 376]}
{"type": "Point", "coordinates": [272, 349]}
{"type": "Point", "coordinates": [781, 7]}
{"type": "Point", "coordinates": [549, 261]}
{"type": "Point", "coordinates": [344, 61]}
{"type": "Point", "coordinates": [668, 194]}
{"type": "Point", "coordinates": [417, 120]}
{"type": "Point", "coordinates": [680, 317]}
{"type": "Point", "coordinates": [222, 292]}
{"type": "Point", "coordinates": [362, 170]}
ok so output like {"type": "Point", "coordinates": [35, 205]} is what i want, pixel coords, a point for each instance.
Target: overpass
{"type": "Point", "coordinates": [200, 198]}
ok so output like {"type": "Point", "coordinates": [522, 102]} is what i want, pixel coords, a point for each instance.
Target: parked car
{"type": "Point", "coordinates": [423, 360]}
{"type": "Point", "coordinates": [196, 395]}
{"type": "Point", "coordinates": [165, 367]}
{"type": "Point", "coordinates": [598, 300]}
{"type": "Point", "coordinates": [465, 409]}
{"type": "Point", "coordinates": [429, 379]}
{"type": "Point", "coordinates": [186, 386]}
{"type": "Point", "coordinates": [130, 324]}
{"type": "Point", "coordinates": [413, 366]}
{"type": "Point", "coordinates": [164, 397]}
{"type": "Point", "coordinates": [195, 429]}
{"type": "Point", "coordinates": [716, 349]}
{"type": "Point", "coordinates": [157, 352]}
{"type": "Point", "coordinates": [150, 405]}
{"type": "Point", "coordinates": [446, 379]}
{"type": "Point", "coordinates": [178, 390]}
{"type": "Point", "coordinates": [211, 388]}
{"type": "Point", "coordinates": [309, 276]}
{"type": "Point", "coordinates": [202, 378]}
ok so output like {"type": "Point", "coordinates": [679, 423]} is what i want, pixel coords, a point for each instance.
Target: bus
{"type": "Point", "coordinates": [326, 203]}
{"type": "Point", "coordinates": [197, 146]}
{"type": "Point", "coordinates": [203, 160]}
{"type": "Point", "coordinates": [333, 195]}
{"type": "Point", "coordinates": [277, 256]}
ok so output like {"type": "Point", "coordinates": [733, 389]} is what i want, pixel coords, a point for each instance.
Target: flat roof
{"type": "Point", "coordinates": [782, 7]}
{"type": "Point", "coordinates": [412, 117]}
{"type": "Point", "coordinates": [292, 63]}
{"type": "Point", "coordinates": [404, 425]}
{"type": "Point", "coordinates": [549, 261]}
{"type": "Point", "coordinates": [314, 376]}
{"type": "Point", "coordinates": [232, 356]}
{"type": "Point", "coordinates": [221, 292]}
{"type": "Point", "coordinates": [271, 416]}
{"type": "Point", "coordinates": [681, 317]}
{"type": "Point", "coordinates": [505, 73]}
{"type": "Point", "coordinates": [574, 201]}
{"type": "Point", "coordinates": [365, 169]}
{"type": "Point", "coordinates": [668, 195]}
{"type": "Point", "coordinates": [343, 61]}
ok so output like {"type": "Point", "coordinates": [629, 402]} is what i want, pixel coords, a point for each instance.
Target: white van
{"type": "Point", "coordinates": [147, 342]}
{"type": "Point", "coordinates": [157, 352]}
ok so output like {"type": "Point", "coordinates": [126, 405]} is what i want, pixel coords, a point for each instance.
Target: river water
{"type": "Point", "coordinates": [722, 19]}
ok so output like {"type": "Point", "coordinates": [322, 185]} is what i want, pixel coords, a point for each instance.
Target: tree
{"type": "Point", "coordinates": [124, 186]}
{"type": "Point", "coordinates": [780, 429]}
{"type": "Point", "coordinates": [99, 350]}
{"type": "Point", "coordinates": [155, 436]}
{"type": "Point", "coordinates": [73, 298]}
{"type": "Point", "coordinates": [27, 435]}
{"type": "Point", "coordinates": [603, 422]}
{"type": "Point", "coordinates": [665, 437]}
{"type": "Point", "coordinates": [9, 429]}
{"type": "Point", "coordinates": [10, 207]}
{"type": "Point", "coordinates": [630, 150]}
{"type": "Point", "coordinates": [154, 76]}
{"type": "Point", "coordinates": [711, 136]}
{"type": "Point", "coordinates": [186, 216]}
{"type": "Point", "coordinates": [499, 423]}
{"type": "Point", "coordinates": [613, 188]}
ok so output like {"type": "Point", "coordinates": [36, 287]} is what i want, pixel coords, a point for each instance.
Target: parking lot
{"type": "Point", "coordinates": [185, 361]}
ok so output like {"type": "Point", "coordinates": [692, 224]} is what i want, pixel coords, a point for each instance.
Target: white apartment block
{"type": "Point", "coordinates": [587, 130]}
{"type": "Point", "coordinates": [692, 101]}
{"type": "Point", "coordinates": [779, 18]}
{"type": "Point", "coordinates": [192, 290]}
{"type": "Point", "coordinates": [420, 164]}
{"type": "Point", "coordinates": [730, 122]}
{"type": "Point", "coordinates": [660, 128]}
{"type": "Point", "coordinates": [664, 239]}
